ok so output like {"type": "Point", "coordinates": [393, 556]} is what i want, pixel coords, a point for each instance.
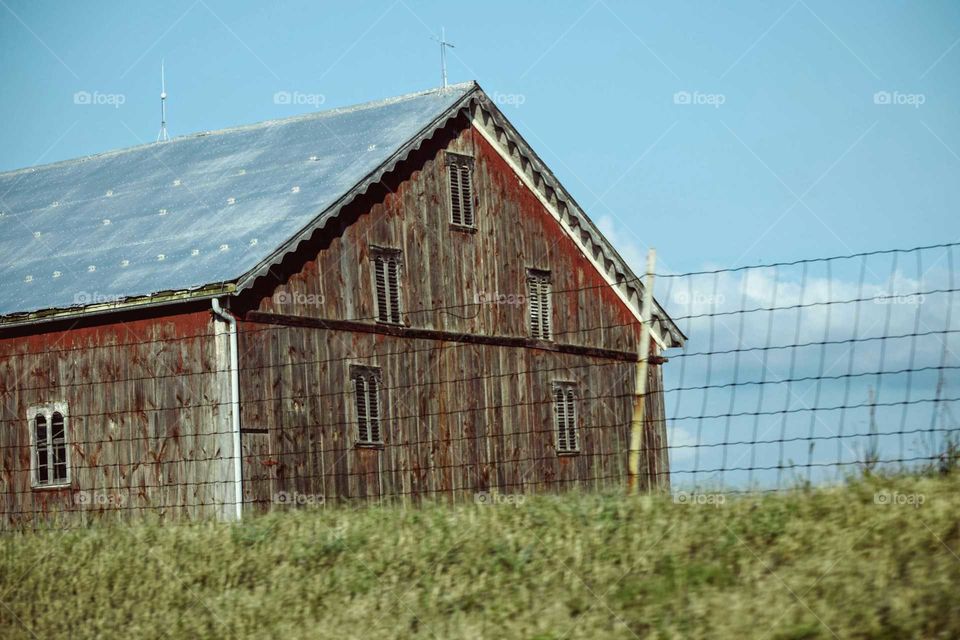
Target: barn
{"type": "Point", "coordinates": [396, 300]}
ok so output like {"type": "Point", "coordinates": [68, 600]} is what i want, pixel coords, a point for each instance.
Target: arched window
{"type": "Point", "coordinates": [48, 438]}
{"type": "Point", "coordinates": [386, 280]}
{"type": "Point", "coordinates": [41, 449]}
{"type": "Point", "coordinates": [366, 389]}
{"type": "Point", "coordinates": [58, 447]}
{"type": "Point", "coordinates": [565, 419]}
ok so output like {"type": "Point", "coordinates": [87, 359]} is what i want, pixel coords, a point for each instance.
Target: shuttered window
{"type": "Point", "coordinates": [539, 304]}
{"type": "Point", "coordinates": [366, 390]}
{"type": "Point", "coordinates": [565, 417]}
{"type": "Point", "coordinates": [49, 455]}
{"type": "Point", "coordinates": [386, 276]}
{"type": "Point", "coordinates": [460, 180]}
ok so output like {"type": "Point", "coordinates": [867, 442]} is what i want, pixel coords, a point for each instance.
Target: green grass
{"type": "Point", "coordinates": [805, 564]}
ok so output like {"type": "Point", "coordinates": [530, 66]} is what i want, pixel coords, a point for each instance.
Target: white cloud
{"type": "Point", "coordinates": [627, 244]}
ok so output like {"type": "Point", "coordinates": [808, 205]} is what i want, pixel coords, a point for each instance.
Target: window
{"type": "Point", "coordinates": [49, 455]}
{"type": "Point", "coordinates": [565, 417]}
{"type": "Point", "coordinates": [460, 177]}
{"type": "Point", "coordinates": [366, 389]}
{"type": "Point", "coordinates": [538, 303]}
{"type": "Point", "coordinates": [386, 275]}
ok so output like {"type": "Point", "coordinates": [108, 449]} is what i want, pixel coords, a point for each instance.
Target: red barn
{"type": "Point", "coordinates": [392, 299]}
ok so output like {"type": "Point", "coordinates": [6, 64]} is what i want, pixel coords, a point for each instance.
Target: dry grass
{"type": "Point", "coordinates": [819, 564]}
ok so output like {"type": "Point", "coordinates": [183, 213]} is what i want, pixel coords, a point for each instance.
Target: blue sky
{"type": "Point", "coordinates": [797, 161]}
{"type": "Point", "coordinates": [725, 134]}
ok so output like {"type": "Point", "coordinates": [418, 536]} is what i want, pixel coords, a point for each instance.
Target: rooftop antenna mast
{"type": "Point", "coordinates": [162, 136]}
{"type": "Point", "coordinates": [443, 55]}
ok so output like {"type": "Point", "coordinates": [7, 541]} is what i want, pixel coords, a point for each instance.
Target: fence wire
{"type": "Point", "coordinates": [800, 372]}
{"type": "Point", "coordinates": [811, 370]}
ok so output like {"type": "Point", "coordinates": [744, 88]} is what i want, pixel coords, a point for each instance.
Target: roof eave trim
{"type": "Point", "coordinates": [549, 189]}
{"type": "Point", "coordinates": [549, 206]}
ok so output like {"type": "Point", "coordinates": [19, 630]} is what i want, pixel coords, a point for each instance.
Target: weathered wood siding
{"type": "Point", "coordinates": [458, 417]}
{"type": "Point", "coordinates": [446, 271]}
{"type": "Point", "coordinates": [467, 403]}
{"type": "Point", "coordinates": [145, 427]}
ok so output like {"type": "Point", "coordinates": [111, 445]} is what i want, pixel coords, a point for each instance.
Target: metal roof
{"type": "Point", "coordinates": [196, 211]}
{"type": "Point", "coordinates": [206, 215]}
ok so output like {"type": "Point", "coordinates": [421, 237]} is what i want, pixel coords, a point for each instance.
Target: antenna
{"type": "Point", "coordinates": [443, 55]}
{"type": "Point", "coordinates": [162, 136]}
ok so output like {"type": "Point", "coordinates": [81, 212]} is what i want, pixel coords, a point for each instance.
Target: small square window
{"type": "Point", "coordinates": [49, 446]}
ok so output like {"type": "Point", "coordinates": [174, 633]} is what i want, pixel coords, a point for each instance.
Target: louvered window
{"type": "Point", "coordinates": [366, 390]}
{"type": "Point", "coordinates": [460, 180]}
{"type": "Point", "coordinates": [386, 276]}
{"type": "Point", "coordinates": [49, 455]}
{"type": "Point", "coordinates": [538, 304]}
{"type": "Point", "coordinates": [565, 417]}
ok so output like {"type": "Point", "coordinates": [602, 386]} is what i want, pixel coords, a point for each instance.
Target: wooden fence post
{"type": "Point", "coordinates": [640, 387]}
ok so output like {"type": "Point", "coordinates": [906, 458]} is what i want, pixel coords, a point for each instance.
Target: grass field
{"type": "Point", "coordinates": [866, 560]}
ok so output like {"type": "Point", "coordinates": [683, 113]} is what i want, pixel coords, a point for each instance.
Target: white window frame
{"type": "Point", "coordinates": [565, 426]}
{"type": "Point", "coordinates": [460, 166]}
{"type": "Point", "coordinates": [367, 373]}
{"type": "Point", "coordinates": [47, 410]}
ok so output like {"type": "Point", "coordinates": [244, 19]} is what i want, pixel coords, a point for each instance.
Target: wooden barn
{"type": "Point", "coordinates": [396, 299]}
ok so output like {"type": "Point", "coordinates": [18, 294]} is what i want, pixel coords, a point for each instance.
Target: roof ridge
{"type": "Point", "coordinates": [372, 104]}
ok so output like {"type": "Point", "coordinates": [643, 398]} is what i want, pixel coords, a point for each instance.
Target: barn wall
{"type": "Point", "coordinates": [461, 417]}
{"type": "Point", "coordinates": [458, 418]}
{"type": "Point", "coordinates": [147, 426]}
{"type": "Point", "coordinates": [460, 281]}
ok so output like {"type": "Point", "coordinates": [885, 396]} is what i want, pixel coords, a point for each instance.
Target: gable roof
{"type": "Point", "coordinates": [205, 215]}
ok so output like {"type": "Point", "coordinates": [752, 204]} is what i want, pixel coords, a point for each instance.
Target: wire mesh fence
{"type": "Point", "coordinates": [811, 370]}
{"type": "Point", "coordinates": [793, 373]}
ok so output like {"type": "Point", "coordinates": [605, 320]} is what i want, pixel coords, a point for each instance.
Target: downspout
{"type": "Point", "coordinates": [231, 321]}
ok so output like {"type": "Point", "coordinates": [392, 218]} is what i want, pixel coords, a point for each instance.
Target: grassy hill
{"type": "Point", "coordinates": [866, 560]}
